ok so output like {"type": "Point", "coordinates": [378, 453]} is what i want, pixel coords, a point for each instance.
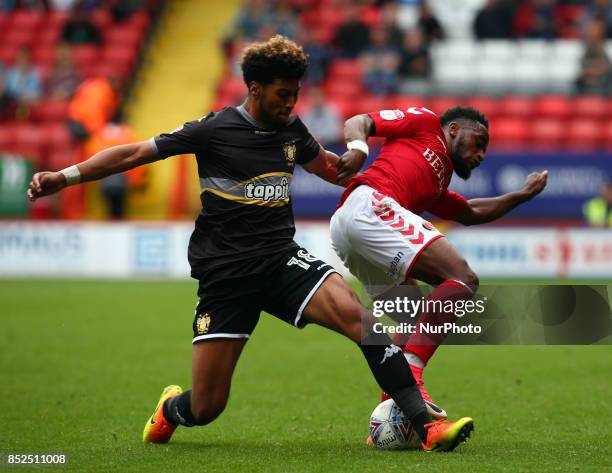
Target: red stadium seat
{"type": "Point", "coordinates": [56, 135]}
{"type": "Point", "coordinates": [7, 136]}
{"type": "Point", "coordinates": [370, 103]}
{"type": "Point", "coordinates": [18, 38]}
{"type": "Point", "coordinates": [345, 69]}
{"type": "Point", "coordinates": [342, 90]}
{"type": "Point", "coordinates": [584, 133]}
{"type": "Point", "coordinates": [56, 19]}
{"type": "Point", "coordinates": [487, 105]}
{"type": "Point", "coordinates": [101, 18]}
{"type": "Point", "coordinates": [52, 110]}
{"type": "Point", "coordinates": [59, 158]}
{"type": "Point", "coordinates": [125, 56]}
{"type": "Point", "coordinates": [24, 19]}
{"type": "Point", "coordinates": [85, 55]}
{"type": "Point", "coordinates": [330, 17]}
{"type": "Point", "coordinates": [607, 135]}
{"type": "Point", "coordinates": [8, 53]}
{"type": "Point", "coordinates": [439, 105]}
{"type": "Point", "coordinates": [346, 107]}
{"type": "Point", "coordinates": [508, 133]}
{"type": "Point", "coordinates": [44, 54]}
{"type": "Point", "coordinates": [31, 151]}
{"type": "Point", "coordinates": [553, 106]}
{"type": "Point", "coordinates": [123, 36]}
{"type": "Point", "coordinates": [547, 133]}
{"type": "Point", "coordinates": [516, 107]}
{"type": "Point", "coordinates": [591, 107]}
{"type": "Point", "coordinates": [139, 21]}
{"type": "Point", "coordinates": [371, 16]}
{"type": "Point", "coordinates": [402, 102]}
{"type": "Point", "coordinates": [48, 36]}
{"type": "Point", "coordinates": [28, 134]}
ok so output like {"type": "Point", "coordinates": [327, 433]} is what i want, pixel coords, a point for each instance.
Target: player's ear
{"type": "Point", "coordinates": [255, 89]}
{"type": "Point", "coordinates": [453, 129]}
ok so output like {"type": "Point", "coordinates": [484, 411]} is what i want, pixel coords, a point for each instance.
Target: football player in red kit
{"type": "Point", "coordinates": [377, 230]}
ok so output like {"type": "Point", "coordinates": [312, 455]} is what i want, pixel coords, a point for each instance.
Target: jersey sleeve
{"type": "Point", "coordinates": [190, 138]}
{"type": "Point", "coordinates": [448, 205]}
{"type": "Point", "coordinates": [310, 148]}
{"type": "Point", "coordinates": [403, 123]}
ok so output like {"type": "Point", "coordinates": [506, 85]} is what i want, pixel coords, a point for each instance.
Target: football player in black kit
{"type": "Point", "coordinates": [242, 250]}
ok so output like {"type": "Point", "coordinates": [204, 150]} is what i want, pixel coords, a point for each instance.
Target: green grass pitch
{"type": "Point", "coordinates": [83, 363]}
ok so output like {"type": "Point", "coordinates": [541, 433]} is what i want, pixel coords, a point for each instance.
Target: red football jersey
{"type": "Point", "coordinates": [413, 166]}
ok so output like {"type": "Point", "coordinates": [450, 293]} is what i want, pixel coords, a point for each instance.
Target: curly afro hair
{"type": "Point", "coordinates": [277, 58]}
{"type": "Point", "coordinates": [464, 113]}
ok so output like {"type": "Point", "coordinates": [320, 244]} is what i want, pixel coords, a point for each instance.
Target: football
{"type": "Point", "coordinates": [390, 429]}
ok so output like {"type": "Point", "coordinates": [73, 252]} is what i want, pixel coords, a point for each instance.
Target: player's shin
{"type": "Point", "coordinates": [391, 371]}
{"type": "Point", "coordinates": [178, 410]}
{"type": "Point", "coordinates": [424, 345]}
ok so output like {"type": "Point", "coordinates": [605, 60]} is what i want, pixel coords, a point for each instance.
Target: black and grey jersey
{"type": "Point", "coordinates": [245, 175]}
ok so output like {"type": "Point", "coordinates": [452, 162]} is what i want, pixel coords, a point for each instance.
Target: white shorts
{"type": "Point", "coordinates": [377, 239]}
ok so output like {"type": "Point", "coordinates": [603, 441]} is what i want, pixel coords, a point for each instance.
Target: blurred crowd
{"type": "Point", "coordinates": [64, 68]}
{"type": "Point", "coordinates": [393, 54]}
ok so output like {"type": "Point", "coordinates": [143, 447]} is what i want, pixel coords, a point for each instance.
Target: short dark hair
{"type": "Point", "coordinates": [464, 113]}
{"type": "Point", "coordinates": [277, 58]}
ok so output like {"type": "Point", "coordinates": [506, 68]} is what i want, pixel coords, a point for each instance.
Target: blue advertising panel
{"type": "Point", "coordinates": [573, 179]}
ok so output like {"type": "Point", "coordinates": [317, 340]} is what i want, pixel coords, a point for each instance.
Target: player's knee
{"type": "Point", "coordinates": [208, 408]}
{"type": "Point", "coordinates": [470, 279]}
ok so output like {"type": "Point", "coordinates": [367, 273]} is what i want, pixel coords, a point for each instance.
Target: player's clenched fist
{"type": "Point", "coordinates": [45, 183]}
{"type": "Point", "coordinates": [535, 183]}
{"type": "Point", "coordinates": [349, 164]}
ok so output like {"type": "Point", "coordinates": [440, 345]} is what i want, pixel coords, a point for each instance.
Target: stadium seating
{"type": "Point", "coordinates": [45, 137]}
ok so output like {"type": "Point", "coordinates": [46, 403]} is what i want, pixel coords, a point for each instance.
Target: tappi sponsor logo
{"type": "Point", "coordinates": [268, 192]}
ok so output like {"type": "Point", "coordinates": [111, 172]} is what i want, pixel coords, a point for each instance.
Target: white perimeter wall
{"type": "Point", "coordinates": [119, 250]}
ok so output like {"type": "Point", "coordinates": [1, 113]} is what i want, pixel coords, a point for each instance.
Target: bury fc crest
{"type": "Point", "coordinates": [203, 323]}
{"type": "Point", "coordinates": [290, 152]}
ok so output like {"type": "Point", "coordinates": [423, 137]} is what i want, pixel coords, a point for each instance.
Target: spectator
{"type": "Point", "coordinates": [5, 100]}
{"type": "Point", "coordinates": [64, 79]}
{"type": "Point", "coordinates": [319, 55]}
{"type": "Point", "coordinates": [114, 188]}
{"type": "Point", "coordinates": [251, 18]}
{"type": "Point", "coordinates": [429, 24]}
{"type": "Point", "coordinates": [285, 19]}
{"type": "Point", "coordinates": [79, 29]}
{"type": "Point", "coordinates": [352, 37]}
{"type": "Point", "coordinates": [23, 81]}
{"type": "Point", "coordinates": [390, 15]}
{"type": "Point", "coordinates": [123, 9]}
{"type": "Point", "coordinates": [92, 106]}
{"type": "Point", "coordinates": [535, 19]}
{"type": "Point", "coordinates": [493, 21]}
{"type": "Point", "coordinates": [598, 211]}
{"type": "Point", "coordinates": [415, 61]}
{"type": "Point", "coordinates": [600, 9]}
{"type": "Point", "coordinates": [323, 121]}
{"type": "Point", "coordinates": [380, 64]}
{"type": "Point", "coordinates": [596, 74]}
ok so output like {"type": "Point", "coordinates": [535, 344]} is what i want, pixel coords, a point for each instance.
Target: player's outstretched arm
{"type": "Point", "coordinates": [488, 209]}
{"type": "Point", "coordinates": [109, 161]}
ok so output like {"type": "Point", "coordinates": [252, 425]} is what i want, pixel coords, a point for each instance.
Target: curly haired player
{"type": "Point", "coordinates": [242, 250]}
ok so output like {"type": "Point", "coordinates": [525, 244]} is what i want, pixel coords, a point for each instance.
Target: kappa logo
{"type": "Point", "coordinates": [268, 192]}
{"type": "Point", "coordinates": [390, 351]}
